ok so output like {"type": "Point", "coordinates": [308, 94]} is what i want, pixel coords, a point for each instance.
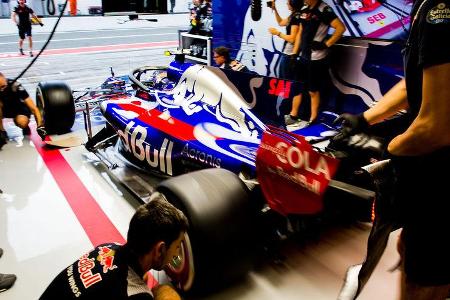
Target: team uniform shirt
{"type": "Point", "coordinates": [107, 272]}
{"type": "Point", "coordinates": [423, 193]}
{"type": "Point", "coordinates": [427, 46]}
{"type": "Point", "coordinates": [234, 65]}
{"type": "Point", "coordinates": [24, 15]}
{"type": "Point", "coordinates": [13, 98]}
{"type": "Point", "coordinates": [294, 20]}
{"type": "Point", "coordinates": [315, 23]}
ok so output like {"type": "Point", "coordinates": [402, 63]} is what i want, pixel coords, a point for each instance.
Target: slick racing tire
{"type": "Point", "coordinates": [256, 10]}
{"type": "Point", "coordinates": [55, 102]}
{"type": "Point", "coordinates": [220, 241]}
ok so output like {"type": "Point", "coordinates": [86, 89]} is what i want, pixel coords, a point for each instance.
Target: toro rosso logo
{"type": "Point", "coordinates": [135, 143]}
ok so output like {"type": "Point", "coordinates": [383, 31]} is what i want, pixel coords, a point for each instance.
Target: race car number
{"type": "Point", "coordinates": [376, 18]}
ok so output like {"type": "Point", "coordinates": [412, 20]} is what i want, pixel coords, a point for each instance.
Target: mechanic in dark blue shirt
{"type": "Point", "coordinates": [112, 271]}
{"type": "Point", "coordinates": [316, 17]}
{"type": "Point", "coordinates": [420, 154]}
{"type": "Point", "coordinates": [17, 104]}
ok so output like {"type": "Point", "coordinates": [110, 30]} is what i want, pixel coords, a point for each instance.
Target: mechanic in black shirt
{"type": "Point", "coordinates": [112, 271]}
{"type": "Point", "coordinates": [292, 23]}
{"type": "Point", "coordinates": [23, 12]}
{"type": "Point", "coordinates": [311, 43]}
{"type": "Point", "coordinates": [17, 104]}
{"type": "Point", "coordinates": [222, 58]}
{"type": "Point", "coordinates": [421, 152]}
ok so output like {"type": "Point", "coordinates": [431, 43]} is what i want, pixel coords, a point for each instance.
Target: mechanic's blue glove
{"type": "Point", "coordinates": [42, 132]}
{"type": "Point", "coordinates": [351, 124]}
{"type": "Point", "coordinates": [3, 138]}
{"type": "Point", "coordinates": [315, 45]}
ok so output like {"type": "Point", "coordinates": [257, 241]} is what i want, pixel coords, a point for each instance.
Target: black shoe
{"type": "Point", "coordinates": [26, 131]}
{"type": "Point", "coordinates": [6, 281]}
{"type": "Point", "coordinates": [21, 51]}
{"type": "Point", "coordinates": [31, 53]}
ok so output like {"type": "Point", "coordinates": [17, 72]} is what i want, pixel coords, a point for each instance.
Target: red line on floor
{"type": "Point", "coordinates": [94, 221]}
{"type": "Point", "coordinates": [99, 48]}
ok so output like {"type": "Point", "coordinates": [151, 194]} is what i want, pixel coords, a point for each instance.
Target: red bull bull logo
{"type": "Point", "coordinates": [106, 258]}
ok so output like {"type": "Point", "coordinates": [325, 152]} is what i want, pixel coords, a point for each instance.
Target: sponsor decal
{"type": "Point", "coordinates": [279, 87]}
{"type": "Point", "coordinates": [200, 156]}
{"type": "Point", "coordinates": [439, 14]}
{"type": "Point", "coordinates": [292, 175]}
{"type": "Point", "coordinates": [134, 142]}
{"type": "Point", "coordinates": [106, 258]}
{"type": "Point", "coordinates": [85, 266]}
{"type": "Point", "coordinates": [376, 18]}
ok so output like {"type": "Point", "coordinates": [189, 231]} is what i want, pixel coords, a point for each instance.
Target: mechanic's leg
{"type": "Point", "coordinates": [21, 46]}
{"type": "Point", "coordinates": [315, 103]}
{"type": "Point", "coordinates": [30, 42]}
{"type": "Point", "coordinates": [412, 291]}
{"type": "Point", "coordinates": [21, 121]}
{"type": "Point", "coordinates": [296, 101]}
{"type": "Point", "coordinates": [1, 117]}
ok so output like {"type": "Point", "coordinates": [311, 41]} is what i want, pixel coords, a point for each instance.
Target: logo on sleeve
{"type": "Point", "coordinates": [439, 14]}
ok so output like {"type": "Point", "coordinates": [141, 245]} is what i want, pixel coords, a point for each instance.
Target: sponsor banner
{"type": "Point", "coordinates": [292, 175]}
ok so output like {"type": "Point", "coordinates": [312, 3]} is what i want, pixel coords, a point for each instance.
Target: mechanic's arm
{"type": "Point", "coordinates": [392, 102]}
{"type": "Point", "coordinates": [13, 17]}
{"type": "Point", "coordinates": [35, 111]}
{"type": "Point", "coordinates": [280, 20]}
{"type": "Point", "coordinates": [290, 38]}
{"type": "Point", "coordinates": [430, 130]}
{"type": "Point", "coordinates": [339, 29]}
{"type": "Point", "coordinates": [298, 40]}
{"type": "Point", "coordinates": [165, 292]}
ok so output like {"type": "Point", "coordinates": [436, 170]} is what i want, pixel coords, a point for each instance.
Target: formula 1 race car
{"type": "Point", "coordinates": [199, 136]}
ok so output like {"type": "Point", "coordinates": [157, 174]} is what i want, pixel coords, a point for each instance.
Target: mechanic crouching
{"type": "Point", "coordinates": [113, 271]}
{"type": "Point", "coordinates": [16, 103]}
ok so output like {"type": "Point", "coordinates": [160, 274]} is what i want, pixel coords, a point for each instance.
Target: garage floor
{"type": "Point", "coordinates": [56, 204]}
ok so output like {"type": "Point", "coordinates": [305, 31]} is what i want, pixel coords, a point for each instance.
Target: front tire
{"type": "Point", "coordinates": [221, 233]}
{"type": "Point", "coordinates": [55, 101]}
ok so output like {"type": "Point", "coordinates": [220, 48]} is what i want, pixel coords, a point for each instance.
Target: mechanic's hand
{"type": "Point", "coordinates": [165, 292]}
{"type": "Point", "coordinates": [42, 24]}
{"type": "Point", "coordinates": [315, 45]}
{"type": "Point", "coordinates": [351, 124]}
{"type": "Point", "coordinates": [358, 146]}
{"type": "Point", "coordinates": [42, 132]}
{"type": "Point", "coordinates": [3, 138]}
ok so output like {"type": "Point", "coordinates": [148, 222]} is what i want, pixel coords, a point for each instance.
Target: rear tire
{"type": "Point", "coordinates": [55, 102]}
{"type": "Point", "coordinates": [221, 218]}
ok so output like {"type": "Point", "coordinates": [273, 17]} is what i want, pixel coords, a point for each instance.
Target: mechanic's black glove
{"type": "Point", "coordinates": [3, 138]}
{"type": "Point", "coordinates": [42, 132]}
{"type": "Point", "coordinates": [42, 24]}
{"type": "Point", "coordinates": [315, 45]}
{"type": "Point", "coordinates": [359, 146]}
{"type": "Point", "coordinates": [351, 124]}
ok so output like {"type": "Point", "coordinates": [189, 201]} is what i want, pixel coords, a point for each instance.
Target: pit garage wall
{"type": "Point", "coordinates": [361, 70]}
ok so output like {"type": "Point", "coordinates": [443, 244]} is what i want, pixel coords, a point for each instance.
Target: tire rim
{"type": "Point", "coordinates": [181, 268]}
